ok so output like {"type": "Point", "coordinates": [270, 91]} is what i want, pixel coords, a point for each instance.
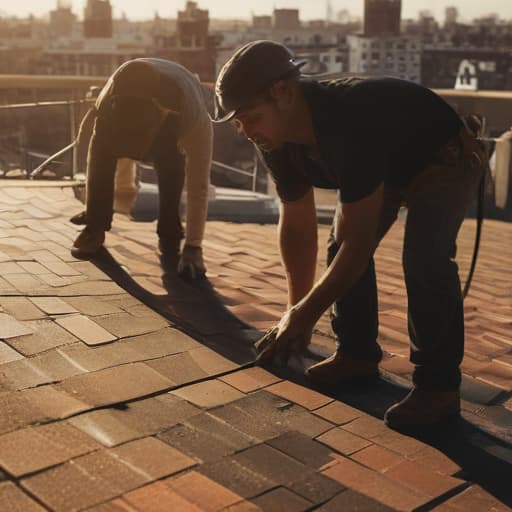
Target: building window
{"type": "Point", "coordinates": [186, 42]}
{"type": "Point", "coordinates": [375, 55]}
{"type": "Point", "coordinates": [363, 56]}
{"type": "Point", "coordinates": [489, 66]}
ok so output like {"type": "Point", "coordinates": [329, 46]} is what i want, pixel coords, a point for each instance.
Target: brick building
{"type": "Point", "coordinates": [98, 19]}
{"type": "Point", "coordinates": [191, 45]}
{"type": "Point", "coordinates": [382, 17]}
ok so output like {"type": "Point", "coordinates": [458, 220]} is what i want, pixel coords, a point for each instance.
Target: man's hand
{"type": "Point", "coordinates": [291, 335]}
{"type": "Point", "coordinates": [191, 263]}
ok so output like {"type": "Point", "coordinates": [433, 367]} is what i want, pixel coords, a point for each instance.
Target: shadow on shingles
{"type": "Point", "coordinates": [485, 460]}
{"type": "Point", "coordinates": [193, 306]}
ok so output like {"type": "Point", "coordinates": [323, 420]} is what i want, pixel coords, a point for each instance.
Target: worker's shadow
{"type": "Point", "coordinates": [196, 308]}
{"type": "Point", "coordinates": [192, 305]}
{"type": "Point", "coordinates": [484, 459]}
{"type": "Point", "coordinates": [199, 307]}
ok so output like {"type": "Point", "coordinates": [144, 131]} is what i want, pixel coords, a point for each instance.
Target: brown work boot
{"type": "Point", "coordinates": [88, 243]}
{"type": "Point", "coordinates": [423, 408]}
{"type": "Point", "coordinates": [80, 219]}
{"type": "Point", "coordinates": [169, 254]}
{"type": "Point", "coordinates": [340, 368]}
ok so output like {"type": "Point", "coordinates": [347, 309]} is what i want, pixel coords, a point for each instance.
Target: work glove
{"type": "Point", "coordinates": [191, 263]}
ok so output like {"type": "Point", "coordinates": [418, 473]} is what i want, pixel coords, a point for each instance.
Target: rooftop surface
{"type": "Point", "coordinates": [123, 388]}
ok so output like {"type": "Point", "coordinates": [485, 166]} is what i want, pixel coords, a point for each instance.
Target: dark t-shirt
{"type": "Point", "coordinates": [368, 131]}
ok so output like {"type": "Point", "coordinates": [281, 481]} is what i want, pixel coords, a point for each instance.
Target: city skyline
{"type": "Point", "coordinates": [468, 9]}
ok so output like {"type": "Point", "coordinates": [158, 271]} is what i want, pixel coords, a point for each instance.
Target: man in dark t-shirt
{"type": "Point", "coordinates": [382, 143]}
{"type": "Point", "coordinates": [367, 132]}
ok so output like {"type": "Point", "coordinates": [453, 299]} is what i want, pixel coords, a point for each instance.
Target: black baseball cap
{"type": "Point", "coordinates": [248, 73]}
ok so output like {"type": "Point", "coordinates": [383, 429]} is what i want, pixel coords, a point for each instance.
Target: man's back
{"type": "Point", "coordinates": [367, 131]}
{"type": "Point", "coordinates": [172, 85]}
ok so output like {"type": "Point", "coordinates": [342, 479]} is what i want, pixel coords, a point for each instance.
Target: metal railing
{"type": "Point", "coordinates": [495, 106]}
{"type": "Point", "coordinates": [73, 86]}
{"type": "Point", "coordinates": [45, 160]}
{"type": "Point", "coordinates": [253, 175]}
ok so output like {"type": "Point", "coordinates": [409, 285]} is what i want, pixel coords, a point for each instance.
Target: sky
{"type": "Point", "coordinates": [309, 9]}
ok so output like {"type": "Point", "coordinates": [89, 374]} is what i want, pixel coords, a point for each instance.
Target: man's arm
{"type": "Point", "coordinates": [357, 232]}
{"type": "Point", "coordinates": [298, 242]}
{"type": "Point", "coordinates": [198, 148]}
